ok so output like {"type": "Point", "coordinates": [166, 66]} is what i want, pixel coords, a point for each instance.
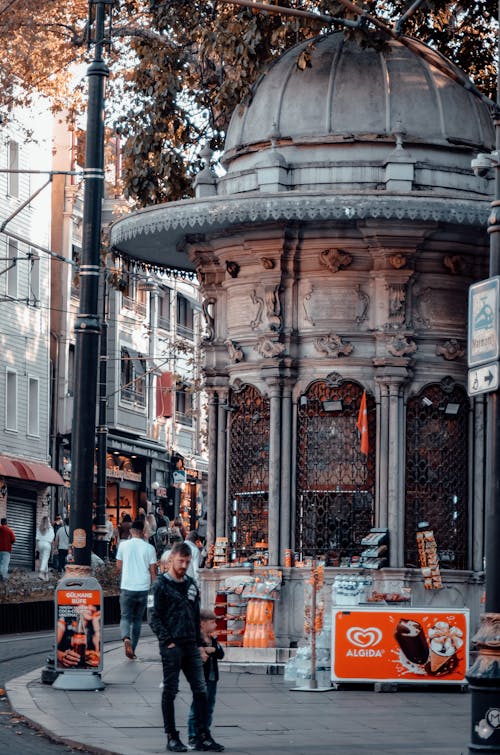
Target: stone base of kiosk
{"type": "Point", "coordinates": [78, 680]}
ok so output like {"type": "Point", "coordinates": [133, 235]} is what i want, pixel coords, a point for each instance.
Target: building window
{"type": "Point", "coordinates": [33, 407]}
{"type": "Point", "coordinates": [34, 279]}
{"type": "Point", "coordinates": [76, 258]}
{"type": "Point", "coordinates": [133, 381]}
{"type": "Point", "coordinates": [437, 454]}
{"type": "Point", "coordinates": [13, 162]}
{"type": "Point", "coordinates": [247, 513]}
{"type": "Point", "coordinates": [164, 308]}
{"type": "Point", "coordinates": [71, 370]}
{"type": "Point", "coordinates": [184, 405]}
{"type": "Point", "coordinates": [11, 400]}
{"type": "Point", "coordinates": [12, 277]}
{"type": "Point", "coordinates": [185, 317]}
{"type": "Point", "coordinates": [335, 481]}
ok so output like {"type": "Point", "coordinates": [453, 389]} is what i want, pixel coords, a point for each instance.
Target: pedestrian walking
{"type": "Point", "coordinates": [61, 544]}
{"type": "Point", "coordinates": [175, 619]}
{"type": "Point", "coordinates": [44, 539]}
{"type": "Point", "coordinates": [211, 652]}
{"type": "Point", "coordinates": [124, 527]}
{"type": "Point", "coordinates": [136, 563]}
{"type": "Point", "coordinates": [7, 540]}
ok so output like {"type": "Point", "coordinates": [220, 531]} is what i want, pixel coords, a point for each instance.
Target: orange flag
{"type": "Point", "coordinates": [362, 425]}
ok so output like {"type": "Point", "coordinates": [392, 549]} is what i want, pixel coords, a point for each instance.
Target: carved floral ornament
{"type": "Point", "coordinates": [268, 348]}
{"type": "Point", "coordinates": [335, 259]}
{"type": "Point", "coordinates": [401, 346]}
{"type": "Point", "coordinates": [450, 349]}
{"type": "Point", "coordinates": [397, 261]}
{"type": "Point", "coordinates": [333, 346]}
{"type": "Point", "coordinates": [234, 350]}
{"type": "Point", "coordinates": [456, 263]}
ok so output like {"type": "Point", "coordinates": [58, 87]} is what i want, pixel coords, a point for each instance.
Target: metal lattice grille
{"type": "Point", "coordinates": [335, 482]}
{"type": "Point", "coordinates": [436, 472]}
{"type": "Point", "coordinates": [248, 471]}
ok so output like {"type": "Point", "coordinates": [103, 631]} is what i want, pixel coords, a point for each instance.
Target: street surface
{"type": "Point", "coordinates": [19, 654]}
{"type": "Point", "coordinates": [256, 713]}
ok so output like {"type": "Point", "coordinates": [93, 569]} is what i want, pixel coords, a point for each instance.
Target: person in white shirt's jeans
{"type": "Point", "coordinates": [136, 562]}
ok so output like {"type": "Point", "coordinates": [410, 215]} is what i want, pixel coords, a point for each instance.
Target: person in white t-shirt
{"type": "Point", "coordinates": [136, 563]}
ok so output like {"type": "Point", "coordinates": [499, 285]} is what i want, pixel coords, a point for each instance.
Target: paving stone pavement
{"type": "Point", "coordinates": [255, 713]}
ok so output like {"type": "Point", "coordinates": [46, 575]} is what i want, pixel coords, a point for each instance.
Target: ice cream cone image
{"type": "Point", "coordinates": [445, 641]}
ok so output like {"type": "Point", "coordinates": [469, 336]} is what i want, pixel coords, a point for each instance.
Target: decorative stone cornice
{"type": "Point", "coordinates": [157, 234]}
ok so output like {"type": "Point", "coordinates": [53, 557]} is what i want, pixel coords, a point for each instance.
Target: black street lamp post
{"type": "Point", "coordinates": [87, 328]}
{"type": "Point", "coordinates": [484, 675]}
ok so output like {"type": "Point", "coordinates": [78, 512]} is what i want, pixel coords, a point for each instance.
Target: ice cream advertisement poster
{"type": "Point", "coordinates": [415, 645]}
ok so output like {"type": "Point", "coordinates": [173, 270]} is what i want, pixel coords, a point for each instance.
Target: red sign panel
{"type": "Point", "coordinates": [78, 629]}
{"type": "Point", "coordinates": [401, 645]}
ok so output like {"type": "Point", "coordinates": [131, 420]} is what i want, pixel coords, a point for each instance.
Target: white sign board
{"type": "Point", "coordinates": [483, 379]}
{"type": "Point", "coordinates": [484, 301]}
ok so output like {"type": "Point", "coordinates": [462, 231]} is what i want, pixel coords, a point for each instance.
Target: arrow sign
{"type": "Point", "coordinates": [483, 379]}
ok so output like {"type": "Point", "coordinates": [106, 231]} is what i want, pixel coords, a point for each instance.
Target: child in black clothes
{"type": "Point", "coordinates": [211, 652]}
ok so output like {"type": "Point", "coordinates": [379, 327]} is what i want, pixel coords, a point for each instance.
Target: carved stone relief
{"type": "Point", "coordinates": [268, 348]}
{"type": "Point", "coordinates": [273, 307]}
{"type": "Point", "coordinates": [234, 350]}
{"type": "Point", "coordinates": [267, 263]}
{"type": "Point", "coordinates": [450, 349]}
{"type": "Point", "coordinates": [335, 259]}
{"type": "Point", "coordinates": [334, 380]}
{"type": "Point", "coordinates": [208, 310]}
{"type": "Point", "coordinates": [333, 346]}
{"type": "Point", "coordinates": [401, 346]}
{"type": "Point", "coordinates": [305, 304]}
{"type": "Point", "coordinates": [397, 305]}
{"type": "Point", "coordinates": [397, 261]}
{"type": "Point", "coordinates": [455, 263]}
{"type": "Point", "coordinates": [232, 268]}
{"type": "Point", "coordinates": [364, 300]}
{"type": "Point", "coordinates": [259, 303]}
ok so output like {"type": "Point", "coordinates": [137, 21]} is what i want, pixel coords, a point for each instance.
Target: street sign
{"type": "Point", "coordinates": [483, 379]}
{"type": "Point", "coordinates": [483, 330]}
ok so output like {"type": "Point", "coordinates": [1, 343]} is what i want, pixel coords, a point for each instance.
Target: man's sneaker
{"type": "Point", "coordinates": [174, 744]}
{"type": "Point", "coordinates": [192, 742]}
{"type": "Point", "coordinates": [129, 651]}
{"type": "Point", "coordinates": [205, 743]}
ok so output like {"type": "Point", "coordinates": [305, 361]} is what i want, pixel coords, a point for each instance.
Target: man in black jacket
{"type": "Point", "coordinates": [175, 619]}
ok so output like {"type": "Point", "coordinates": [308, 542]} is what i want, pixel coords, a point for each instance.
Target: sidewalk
{"type": "Point", "coordinates": [256, 714]}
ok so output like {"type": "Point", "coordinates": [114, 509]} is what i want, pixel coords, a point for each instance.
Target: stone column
{"type": "Point", "coordinates": [286, 471]}
{"type": "Point", "coordinates": [381, 502]}
{"type": "Point", "coordinates": [274, 471]}
{"type": "Point", "coordinates": [390, 463]}
{"type": "Point", "coordinates": [212, 470]}
{"type": "Point", "coordinates": [220, 461]}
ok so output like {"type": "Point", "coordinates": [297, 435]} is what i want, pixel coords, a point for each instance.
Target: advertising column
{"type": "Point", "coordinates": [79, 622]}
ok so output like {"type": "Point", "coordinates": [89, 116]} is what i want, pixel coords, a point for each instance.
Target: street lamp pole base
{"type": "Point", "coordinates": [78, 680]}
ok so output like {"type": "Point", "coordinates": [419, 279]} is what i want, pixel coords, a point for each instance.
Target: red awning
{"type": "Point", "coordinates": [29, 470]}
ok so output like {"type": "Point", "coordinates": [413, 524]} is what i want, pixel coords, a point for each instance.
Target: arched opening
{"type": "Point", "coordinates": [335, 481]}
{"type": "Point", "coordinates": [437, 472]}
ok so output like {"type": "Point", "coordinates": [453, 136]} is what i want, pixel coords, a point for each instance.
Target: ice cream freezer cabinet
{"type": "Point", "coordinates": [400, 645]}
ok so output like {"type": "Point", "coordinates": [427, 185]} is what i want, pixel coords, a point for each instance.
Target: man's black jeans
{"type": "Point", "coordinates": [185, 657]}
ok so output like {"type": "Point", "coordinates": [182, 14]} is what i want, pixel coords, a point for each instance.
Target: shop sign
{"type": "Point", "coordinates": [79, 622]}
{"type": "Point", "coordinates": [123, 474]}
{"type": "Point", "coordinates": [400, 645]}
{"type": "Point", "coordinates": [179, 477]}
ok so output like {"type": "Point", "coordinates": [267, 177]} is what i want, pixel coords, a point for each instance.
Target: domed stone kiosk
{"type": "Point", "coordinates": [335, 256]}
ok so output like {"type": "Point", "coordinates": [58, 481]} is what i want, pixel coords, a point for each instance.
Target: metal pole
{"type": "Point", "coordinates": [87, 326]}
{"type": "Point", "coordinates": [484, 676]}
{"type": "Point", "coordinates": [101, 544]}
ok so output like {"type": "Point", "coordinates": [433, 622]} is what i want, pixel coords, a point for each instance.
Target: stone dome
{"type": "Point", "coordinates": [349, 92]}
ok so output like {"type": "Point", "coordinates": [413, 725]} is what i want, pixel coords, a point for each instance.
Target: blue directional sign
{"type": "Point", "coordinates": [484, 302]}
